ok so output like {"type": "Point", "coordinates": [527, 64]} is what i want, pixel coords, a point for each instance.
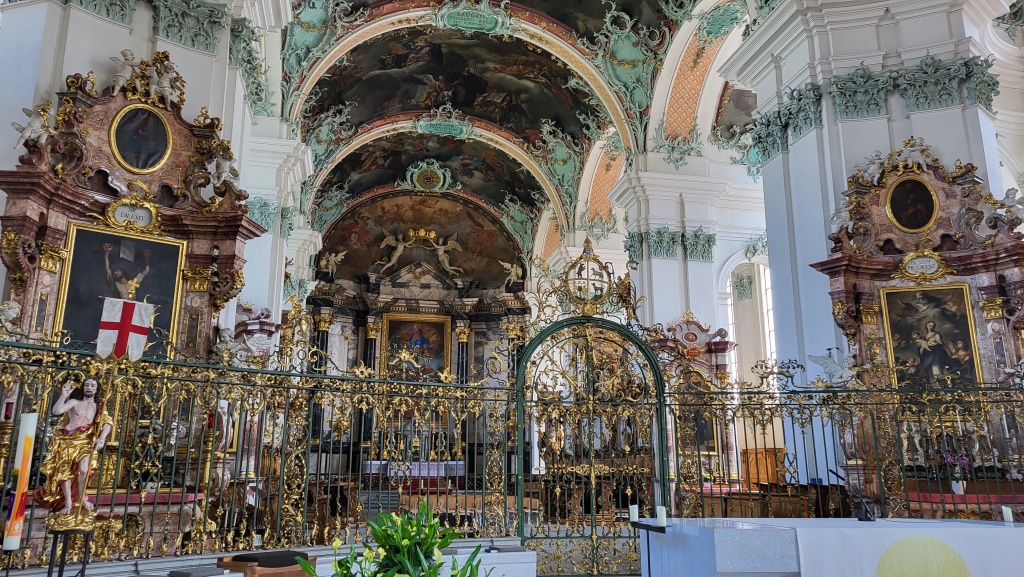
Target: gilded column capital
{"type": "Point", "coordinates": [372, 331]}
{"type": "Point", "coordinates": [462, 334]}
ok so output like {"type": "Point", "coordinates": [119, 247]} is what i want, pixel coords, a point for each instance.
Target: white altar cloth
{"type": "Point", "coordinates": [833, 548]}
{"type": "Point", "coordinates": [415, 468]}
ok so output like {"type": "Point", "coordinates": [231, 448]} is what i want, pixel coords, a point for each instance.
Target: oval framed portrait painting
{"type": "Point", "coordinates": [912, 204]}
{"type": "Point", "coordinates": [140, 138]}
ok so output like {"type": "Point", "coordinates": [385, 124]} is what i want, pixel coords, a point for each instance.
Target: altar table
{"type": "Point", "coordinates": [415, 468]}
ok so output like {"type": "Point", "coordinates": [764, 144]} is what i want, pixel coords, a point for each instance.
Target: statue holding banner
{"type": "Point", "coordinates": [72, 455]}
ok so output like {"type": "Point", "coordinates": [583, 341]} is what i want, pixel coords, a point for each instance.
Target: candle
{"type": "Point", "coordinates": [634, 513]}
{"type": "Point", "coordinates": [1007, 515]}
{"type": "Point", "coordinates": [662, 519]}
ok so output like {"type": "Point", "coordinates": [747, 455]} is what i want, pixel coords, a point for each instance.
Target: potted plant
{"type": "Point", "coordinates": [406, 545]}
{"type": "Point", "coordinates": [955, 468]}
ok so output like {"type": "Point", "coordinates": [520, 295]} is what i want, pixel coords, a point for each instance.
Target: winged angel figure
{"type": "Point", "coordinates": [35, 131]}
{"type": "Point", "coordinates": [840, 375]}
{"type": "Point", "coordinates": [515, 272]}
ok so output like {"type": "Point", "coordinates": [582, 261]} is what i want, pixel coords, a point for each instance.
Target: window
{"type": "Point", "coordinates": [769, 310]}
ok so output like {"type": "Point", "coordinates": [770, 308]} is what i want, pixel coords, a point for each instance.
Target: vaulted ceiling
{"type": "Point", "coordinates": [498, 102]}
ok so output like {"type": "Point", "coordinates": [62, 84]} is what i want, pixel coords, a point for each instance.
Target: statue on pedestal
{"type": "Point", "coordinates": [72, 455]}
{"type": "Point", "coordinates": [9, 311]}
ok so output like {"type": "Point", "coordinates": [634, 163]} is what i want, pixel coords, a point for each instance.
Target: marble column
{"type": "Point", "coordinates": [462, 351]}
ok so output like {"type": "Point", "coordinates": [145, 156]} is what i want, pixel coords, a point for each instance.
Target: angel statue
{"type": "Point", "coordinates": [329, 261]}
{"type": "Point", "coordinates": [515, 272]}
{"type": "Point", "coordinates": [126, 66]}
{"type": "Point", "coordinates": [1014, 206]}
{"type": "Point", "coordinates": [223, 171]}
{"type": "Point", "coordinates": [35, 130]}
{"type": "Point", "coordinates": [400, 246]}
{"type": "Point", "coordinates": [872, 167]}
{"type": "Point", "coordinates": [1016, 374]}
{"type": "Point", "coordinates": [443, 258]}
{"type": "Point", "coordinates": [9, 311]}
{"type": "Point", "coordinates": [842, 218]}
{"type": "Point", "coordinates": [167, 85]}
{"type": "Point", "coordinates": [917, 153]}
{"type": "Point", "coordinates": [840, 375]}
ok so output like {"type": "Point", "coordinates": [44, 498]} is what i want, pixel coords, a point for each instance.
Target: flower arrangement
{"type": "Point", "coordinates": [406, 545]}
{"type": "Point", "coordinates": [954, 467]}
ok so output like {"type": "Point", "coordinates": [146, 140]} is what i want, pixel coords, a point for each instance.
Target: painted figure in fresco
{"type": "Point", "coordinates": [934, 356]}
{"type": "Point", "coordinates": [399, 245]}
{"type": "Point", "coordinates": [74, 448]}
{"type": "Point", "coordinates": [117, 279]}
{"type": "Point", "coordinates": [444, 259]}
{"type": "Point", "coordinates": [416, 338]}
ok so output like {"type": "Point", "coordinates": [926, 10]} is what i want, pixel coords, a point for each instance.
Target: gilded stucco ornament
{"type": "Point", "coordinates": [244, 54]}
{"type": "Point", "coordinates": [677, 148]}
{"type": "Point", "coordinates": [992, 308]}
{"type": "Point", "coordinates": [861, 93]}
{"type": "Point", "coordinates": [699, 245]}
{"type": "Point", "coordinates": [663, 242]}
{"type": "Point", "coordinates": [428, 175]}
{"type": "Point", "coordinates": [599, 226]}
{"type": "Point", "coordinates": [634, 246]}
{"type": "Point", "coordinates": [191, 23]}
{"type": "Point", "coordinates": [629, 56]}
{"type": "Point", "coordinates": [933, 83]}
{"type": "Point", "coordinates": [741, 141]}
{"type": "Point", "coordinates": [263, 211]}
{"type": "Point", "coordinates": [471, 17]}
{"type": "Point", "coordinates": [444, 121]}
{"type": "Point", "coordinates": [923, 265]}
{"type": "Point", "coordinates": [743, 287]}
{"type": "Point", "coordinates": [521, 221]}
{"type": "Point", "coordinates": [561, 158]}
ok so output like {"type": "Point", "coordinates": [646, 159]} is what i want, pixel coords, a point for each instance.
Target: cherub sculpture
{"type": "Point", "coordinates": [842, 218]}
{"type": "Point", "coordinates": [329, 261]}
{"type": "Point", "coordinates": [72, 456]}
{"type": "Point", "coordinates": [36, 129]}
{"type": "Point", "coordinates": [515, 272]}
{"type": "Point", "coordinates": [444, 259]}
{"type": "Point", "coordinates": [126, 67]}
{"type": "Point", "coordinates": [873, 167]}
{"type": "Point", "coordinates": [840, 375]}
{"type": "Point", "coordinates": [223, 170]}
{"type": "Point", "coordinates": [1014, 206]}
{"type": "Point", "coordinates": [168, 83]}
{"type": "Point", "coordinates": [917, 153]}
{"type": "Point", "coordinates": [9, 311]}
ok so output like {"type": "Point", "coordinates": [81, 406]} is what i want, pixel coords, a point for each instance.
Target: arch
{"type": "Point", "coordinates": [738, 258]}
{"type": "Point", "coordinates": [528, 31]}
{"type": "Point", "coordinates": [481, 131]}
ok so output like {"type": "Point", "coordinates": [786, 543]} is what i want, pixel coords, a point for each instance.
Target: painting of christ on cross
{"type": "Point", "coordinates": [104, 264]}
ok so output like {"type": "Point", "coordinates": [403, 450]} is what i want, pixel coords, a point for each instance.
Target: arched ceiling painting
{"type": "Point", "coordinates": [478, 167]}
{"type": "Point", "coordinates": [492, 62]}
{"type": "Point", "coordinates": [482, 238]}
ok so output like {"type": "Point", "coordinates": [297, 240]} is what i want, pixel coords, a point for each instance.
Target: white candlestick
{"type": "Point", "coordinates": [634, 513]}
{"type": "Point", "coordinates": [1007, 515]}
{"type": "Point", "coordinates": [662, 518]}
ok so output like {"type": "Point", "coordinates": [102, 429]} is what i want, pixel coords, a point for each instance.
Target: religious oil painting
{"type": "Point", "coordinates": [104, 263]}
{"type": "Point", "coordinates": [415, 346]}
{"type": "Point", "coordinates": [930, 334]}
{"type": "Point", "coordinates": [140, 138]}
{"type": "Point", "coordinates": [912, 204]}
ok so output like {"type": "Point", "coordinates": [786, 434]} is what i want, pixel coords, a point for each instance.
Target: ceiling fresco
{"type": "Point", "coordinates": [501, 80]}
{"type": "Point", "coordinates": [486, 171]}
{"type": "Point", "coordinates": [735, 110]}
{"type": "Point", "coordinates": [586, 17]}
{"type": "Point", "coordinates": [361, 229]}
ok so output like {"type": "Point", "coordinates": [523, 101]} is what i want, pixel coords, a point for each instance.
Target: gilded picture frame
{"type": "Point", "coordinates": [92, 273]}
{"type": "Point", "coordinates": [930, 333]}
{"type": "Point", "coordinates": [135, 143]}
{"type": "Point", "coordinates": [431, 335]}
{"type": "Point", "coordinates": [904, 204]}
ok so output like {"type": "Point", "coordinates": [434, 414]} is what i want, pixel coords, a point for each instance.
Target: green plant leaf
{"type": "Point", "coordinates": [307, 567]}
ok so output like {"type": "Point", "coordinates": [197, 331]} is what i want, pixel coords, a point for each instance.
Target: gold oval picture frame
{"type": "Point", "coordinates": [140, 138]}
{"type": "Point", "coordinates": [906, 204]}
